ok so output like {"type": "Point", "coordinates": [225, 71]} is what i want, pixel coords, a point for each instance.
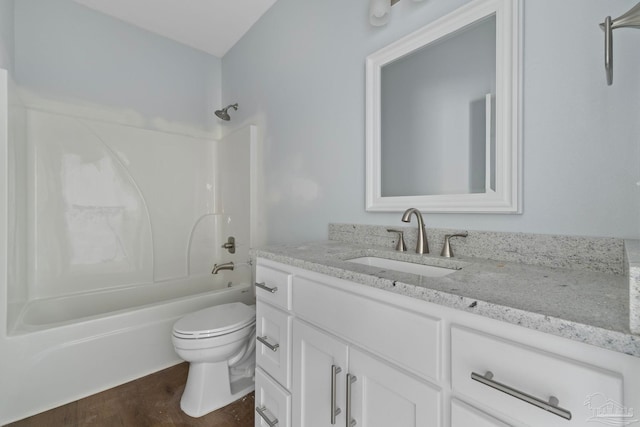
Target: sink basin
{"type": "Point", "coordinates": [403, 266]}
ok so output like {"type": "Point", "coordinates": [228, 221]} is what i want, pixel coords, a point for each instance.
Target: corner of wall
{"type": "Point", "coordinates": [6, 35]}
{"type": "Point", "coordinates": [4, 136]}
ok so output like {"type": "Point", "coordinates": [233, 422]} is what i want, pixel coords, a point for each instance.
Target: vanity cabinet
{"type": "Point", "coordinates": [347, 350]}
{"type": "Point", "coordinates": [335, 382]}
{"type": "Point", "coordinates": [273, 349]}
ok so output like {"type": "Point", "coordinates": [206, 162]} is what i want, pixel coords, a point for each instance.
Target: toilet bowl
{"type": "Point", "coordinates": [219, 344]}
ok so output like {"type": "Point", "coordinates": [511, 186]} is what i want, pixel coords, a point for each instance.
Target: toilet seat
{"type": "Point", "coordinates": [215, 321]}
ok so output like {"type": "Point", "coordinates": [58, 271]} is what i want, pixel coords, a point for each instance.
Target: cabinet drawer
{"type": "Point", "coordinates": [273, 286]}
{"type": "Point", "coordinates": [404, 337]}
{"type": "Point", "coordinates": [579, 388]}
{"type": "Point", "coordinates": [273, 403]}
{"type": "Point", "coordinates": [273, 346]}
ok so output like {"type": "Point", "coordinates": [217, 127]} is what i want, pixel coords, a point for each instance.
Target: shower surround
{"type": "Point", "coordinates": [110, 233]}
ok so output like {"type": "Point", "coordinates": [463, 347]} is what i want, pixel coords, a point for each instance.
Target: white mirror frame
{"type": "Point", "coordinates": [508, 195]}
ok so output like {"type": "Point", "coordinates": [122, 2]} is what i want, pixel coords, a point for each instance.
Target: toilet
{"type": "Point", "coordinates": [219, 344]}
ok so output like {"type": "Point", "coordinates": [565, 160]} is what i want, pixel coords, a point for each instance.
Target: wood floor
{"type": "Point", "coordinates": [150, 401]}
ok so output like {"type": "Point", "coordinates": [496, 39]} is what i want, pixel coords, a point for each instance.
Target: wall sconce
{"type": "Point", "coordinates": [631, 19]}
{"type": "Point", "coordinates": [379, 11]}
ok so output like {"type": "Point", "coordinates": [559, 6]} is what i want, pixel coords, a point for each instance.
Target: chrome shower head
{"type": "Point", "coordinates": [222, 114]}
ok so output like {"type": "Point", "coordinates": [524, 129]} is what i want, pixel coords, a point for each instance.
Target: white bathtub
{"type": "Point", "coordinates": [53, 312]}
{"type": "Point", "coordinates": [74, 346]}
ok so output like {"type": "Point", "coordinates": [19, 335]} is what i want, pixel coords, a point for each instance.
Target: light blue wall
{"type": "Point", "coordinates": [6, 35]}
{"type": "Point", "coordinates": [299, 74]}
{"type": "Point", "coordinates": [65, 50]}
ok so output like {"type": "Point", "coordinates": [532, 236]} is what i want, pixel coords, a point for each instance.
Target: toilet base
{"type": "Point", "coordinates": [210, 387]}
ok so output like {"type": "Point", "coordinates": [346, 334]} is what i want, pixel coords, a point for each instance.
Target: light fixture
{"type": "Point", "coordinates": [379, 11]}
{"type": "Point", "coordinates": [631, 19]}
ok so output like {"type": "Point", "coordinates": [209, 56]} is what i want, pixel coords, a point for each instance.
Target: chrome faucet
{"type": "Point", "coordinates": [224, 266]}
{"type": "Point", "coordinates": [400, 246]}
{"type": "Point", "coordinates": [422, 247]}
{"type": "Point", "coordinates": [447, 252]}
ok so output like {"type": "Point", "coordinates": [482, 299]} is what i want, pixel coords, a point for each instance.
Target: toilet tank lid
{"type": "Point", "coordinates": [219, 318]}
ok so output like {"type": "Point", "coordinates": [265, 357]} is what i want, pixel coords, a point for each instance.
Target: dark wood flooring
{"type": "Point", "coordinates": [150, 401]}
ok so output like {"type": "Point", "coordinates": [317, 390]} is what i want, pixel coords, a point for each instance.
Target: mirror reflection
{"type": "Point", "coordinates": [437, 121]}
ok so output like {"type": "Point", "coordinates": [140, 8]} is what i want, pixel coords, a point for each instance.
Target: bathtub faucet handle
{"type": "Point", "coordinates": [230, 245]}
{"type": "Point", "coordinates": [223, 266]}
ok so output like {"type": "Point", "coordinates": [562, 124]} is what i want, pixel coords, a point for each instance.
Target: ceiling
{"type": "Point", "coordinates": [213, 26]}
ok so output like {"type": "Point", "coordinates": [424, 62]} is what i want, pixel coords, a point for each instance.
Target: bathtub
{"type": "Point", "coordinates": [54, 312]}
{"type": "Point", "coordinates": [82, 344]}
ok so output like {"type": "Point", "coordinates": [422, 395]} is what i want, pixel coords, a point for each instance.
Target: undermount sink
{"type": "Point", "coordinates": [403, 266]}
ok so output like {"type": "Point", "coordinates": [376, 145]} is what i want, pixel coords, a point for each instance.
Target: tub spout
{"type": "Point", "coordinates": [224, 266]}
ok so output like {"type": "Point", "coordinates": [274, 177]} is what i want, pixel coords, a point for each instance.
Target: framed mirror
{"type": "Point", "coordinates": [443, 115]}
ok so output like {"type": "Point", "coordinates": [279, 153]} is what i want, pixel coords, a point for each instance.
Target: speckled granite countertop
{"type": "Point", "coordinates": [580, 305]}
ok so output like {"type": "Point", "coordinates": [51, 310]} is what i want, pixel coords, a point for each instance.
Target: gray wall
{"type": "Point", "coordinates": [299, 74]}
{"type": "Point", "coordinates": [66, 51]}
{"type": "Point", "coordinates": [6, 34]}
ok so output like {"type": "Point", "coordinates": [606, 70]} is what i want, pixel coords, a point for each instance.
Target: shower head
{"type": "Point", "coordinates": [223, 113]}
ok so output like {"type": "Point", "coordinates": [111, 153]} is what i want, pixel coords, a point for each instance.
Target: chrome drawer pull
{"type": "Point", "coordinates": [334, 410]}
{"type": "Point", "coordinates": [272, 347]}
{"type": "Point", "coordinates": [551, 405]}
{"type": "Point", "coordinates": [266, 288]}
{"type": "Point", "coordinates": [262, 411]}
{"type": "Point", "coordinates": [350, 380]}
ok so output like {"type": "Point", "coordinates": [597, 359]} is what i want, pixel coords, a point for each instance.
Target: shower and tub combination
{"type": "Point", "coordinates": [111, 234]}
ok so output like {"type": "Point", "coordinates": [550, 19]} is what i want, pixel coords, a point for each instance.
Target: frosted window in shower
{"type": "Point", "coordinates": [98, 205]}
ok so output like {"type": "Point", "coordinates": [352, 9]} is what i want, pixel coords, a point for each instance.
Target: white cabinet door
{"type": "Point", "coordinates": [384, 396]}
{"type": "Point", "coordinates": [317, 358]}
{"type": "Point", "coordinates": [463, 415]}
{"type": "Point", "coordinates": [381, 395]}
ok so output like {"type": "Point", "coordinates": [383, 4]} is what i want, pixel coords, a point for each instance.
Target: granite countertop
{"type": "Point", "coordinates": [580, 305]}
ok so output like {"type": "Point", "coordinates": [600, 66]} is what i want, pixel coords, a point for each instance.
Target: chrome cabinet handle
{"type": "Point", "coordinates": [551, 405]}
{"type": "Point", "coordinates": [266, 288]}
{"type": "Point", "coordinates": [272, 347]}
{"type": "Point", "coordinates": [350, 380]}
{"type": "Point", "coordinates": [262, 411]}
{"type": "Point", "coordinates": [335, 370]}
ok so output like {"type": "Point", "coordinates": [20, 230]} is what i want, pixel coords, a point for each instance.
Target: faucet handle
{"type": "Point", "coordinates": [447, 252]}
{"type": "Point", "coordinates": [400, 246]}
{"type": "Point", "coordinates": [230, 245]}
